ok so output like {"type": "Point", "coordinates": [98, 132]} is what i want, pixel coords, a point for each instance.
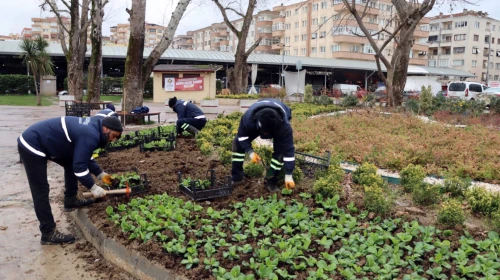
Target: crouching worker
{"type": "Point", "coordinates": [108, 112]}
{"type": "Point", "coordinates": [69, 142]}
{"type": "Point", "coordinates": [189, 117]}
{"type": "Point", "coordinates": [269, 119]}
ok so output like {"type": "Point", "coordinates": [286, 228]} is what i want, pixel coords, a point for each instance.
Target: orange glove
{"type": "Point", "coordinates": [105, 178]}
{"type": "Point", "coordinates": [255, 157]}
{"type": "Point", "coordinates": [289, 183]}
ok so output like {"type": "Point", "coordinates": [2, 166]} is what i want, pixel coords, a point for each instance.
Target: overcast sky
{"type": "Point", "coordinates": [17, 14]}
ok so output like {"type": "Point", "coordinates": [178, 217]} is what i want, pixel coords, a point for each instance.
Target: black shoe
{"type": "Point", "coordinates": [270, 184]}
{"type": "Point", "coordinates": [55, 237]}
{"type": "Point", "coordinates": [70, 203]}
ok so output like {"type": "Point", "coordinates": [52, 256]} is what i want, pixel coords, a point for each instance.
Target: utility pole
{"type": "Point", "coordinates": [487, 79]}
{"type": "Point", "coordinates": [282, 75]}
{"type": "Point", "coordinates": [438, 63]}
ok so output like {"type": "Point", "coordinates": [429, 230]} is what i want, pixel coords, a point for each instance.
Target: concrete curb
{"type": "Point", "coordinates": [130, 261]}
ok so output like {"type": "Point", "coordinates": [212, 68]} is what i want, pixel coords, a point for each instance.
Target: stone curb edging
{"type": "Point", "coordinates": [133, 263]}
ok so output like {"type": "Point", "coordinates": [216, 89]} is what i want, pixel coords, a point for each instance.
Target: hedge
{"type": "Point", "coordinates": [16, 84]}
{"type": "Point", "coordinates": [112, 85]}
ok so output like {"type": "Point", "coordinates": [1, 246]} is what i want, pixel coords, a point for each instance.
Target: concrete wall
{"type": "Point", "coordinates": [160, 95]}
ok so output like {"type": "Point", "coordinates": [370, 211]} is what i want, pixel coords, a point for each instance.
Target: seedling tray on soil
{"type": "Point", "coordinates": [196, 191]}
{"type": "Point", "coordinates": [311, 163]}
{"type": "Point", "coordinates": [146, 147]}
{"type": "Point", "coordinates": [137, 186]}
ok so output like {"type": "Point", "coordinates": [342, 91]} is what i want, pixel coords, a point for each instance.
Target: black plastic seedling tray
{"type": "Point", "coordinates": [311, 163]}
{"type": "Point", "coordinates": [217, 188]}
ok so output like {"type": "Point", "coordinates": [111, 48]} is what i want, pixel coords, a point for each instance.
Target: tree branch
{"type": "Point", "coordinates": [234, 11]}
{"type": "Point", "coordinates": [226, 19]}
{"type": "Point", "coordinates": [66, 4]}
{"type": "Point", "coordinates": [53, 6]}
{"type": "Point", "coordinates": [252, 48]}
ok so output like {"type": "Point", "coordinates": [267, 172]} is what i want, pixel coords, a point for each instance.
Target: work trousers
{"type": "Point", "coordinates": [183, 124]}
{"type": "Point", "coordinates": [36, 171]}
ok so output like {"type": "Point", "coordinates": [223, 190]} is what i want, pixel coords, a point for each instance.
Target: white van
{"type": "Point", "coordinates": [465, 90]}
{"type": "Point", "coordinates": [347, 89]}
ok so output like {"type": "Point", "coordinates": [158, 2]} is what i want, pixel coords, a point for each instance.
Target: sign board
{"type": "Point", "coordinates": [299, 65]}
{"type": "Point", "coordinates": [494, 84]}
{"type": "Point", "coordinates": [169, 84]}
{"type": "Point", "coordinates": [189, 84]}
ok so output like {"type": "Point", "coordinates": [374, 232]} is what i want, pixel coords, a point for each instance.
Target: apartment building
{"type": "Point", "coordinates": [120, 34]}
{"type": "Point", "coordinates": [218, 37]}
{"type": "Point", "coordinates": [9, 37]}
{"type": "Point", "coordinates": [183, 42]}
{"type": "Point", "coordinates": [468, 41]}
{"type": "Point", "coordinates": [47, 28]}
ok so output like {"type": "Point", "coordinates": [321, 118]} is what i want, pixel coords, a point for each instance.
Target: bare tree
{"type": "Point", "coordinates": [238, 75]}
{"type": "Point", "coordinates": [406, 18]}
{"type": "Point", "coordinates": [95, 66]}
{"type": "Point", "coordinates": [78, 11]}
{"type": "Point", "coordinates": [137, 72]}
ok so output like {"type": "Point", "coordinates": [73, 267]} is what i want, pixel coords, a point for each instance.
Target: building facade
{"type": "Point", "coordinates": [315, 28]}
{"type": "Point", "coordinates": [120, 34]}
{"type": "Point", "coordinates": [468, 41]}
{"type": "Point", "coordinates": [47, 28]}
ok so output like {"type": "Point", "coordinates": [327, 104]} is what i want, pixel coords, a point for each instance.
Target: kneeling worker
{"type": "Point", "coordinates": [189, 117]}
{"type": "Point", "coordinates": [69, 142]}
{"type": "Point", "coordinates": [108, 112]}
{"type": "Point", "coordinates": [269, 119]}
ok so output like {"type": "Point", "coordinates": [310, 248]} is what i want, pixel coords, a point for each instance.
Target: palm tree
{"type": "Point", "coordinates": [37, 60]}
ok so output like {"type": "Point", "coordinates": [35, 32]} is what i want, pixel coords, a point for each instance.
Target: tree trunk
{"type": "Point", "coordinates": [95, 66]}
{"type": "Point", "coordinates": [401, 60]}
{"type": "Point", "coordinates": [75, 77]}
{"type": "Point", "coordinates": [133, 84]}
{"type": "Point", "coordinates": [38, 97]}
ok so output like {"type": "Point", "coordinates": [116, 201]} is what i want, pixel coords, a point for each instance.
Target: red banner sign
{"type": "Point", "coordinates": [188, 84]}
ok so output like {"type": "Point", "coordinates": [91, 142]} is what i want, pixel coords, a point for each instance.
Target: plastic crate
{"type": "Point", "coordinates": [311, 163]}
{"type": "Point", "coordinates": [77, 108]}
{"type": "Point", "coordinates": [139, 186]}
{"type": "Point", "coordinates": [170, 147]}
{"type": "Point", "coordinates": [217, 188]}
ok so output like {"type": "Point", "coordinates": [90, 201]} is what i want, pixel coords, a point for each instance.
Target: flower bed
{"type": "Point", "coordinates": [394, 141]}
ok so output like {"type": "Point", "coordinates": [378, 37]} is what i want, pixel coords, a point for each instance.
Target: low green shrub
{"type": "Point", "coordinates": [495, 220]}
{"type": "Point", "coordinates": [495, 104]}
{"type": "Point", "coordinates": [350, 101]}
{"type": "Point", "coordinates": [378, 200]}
{"type": "Point", "coordinates": [426, 194]}
{"type": "Point", "coordinates": [450, 213]}
{"type": "Point", "coordinates": [364, 170]}
{"type": "Point", "coordinates": [206, 148]}
{"type": "Point", "coordinates": [456, 186]}
{"type": "Point", "coordinates": [412, 176]}
{"type": "Point", "coordinates": [308, 93]}
{"type": "Point", "coordinates": [413, 106]}
{"type": "Point", "coordinates": [225, 156]}
{"type": "Point", "coordinates": [327, 187]}
{"type": "Point", "coordinates": [253, 170]}
{"type": "Point", "coordinates": [238, 96]}
{"type": "Point", "coordinates": [16, 84]}
{"type": "Point", "coordinates": [426, 100]}
{"type": "Point", "coordinates": [482, 201]}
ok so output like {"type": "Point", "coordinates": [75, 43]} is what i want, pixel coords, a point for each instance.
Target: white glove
{"type": "Point", "coordinates": [97, 191]}
{"type": "Point", "coordinates": [289, 183]}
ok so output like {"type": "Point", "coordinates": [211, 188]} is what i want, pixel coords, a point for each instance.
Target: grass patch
{"type": "Point", "coordinates": [24, 100]}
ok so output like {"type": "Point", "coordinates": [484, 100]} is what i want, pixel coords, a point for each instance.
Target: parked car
{"type": "Point", "coordinates": [465, 90]}
{"type": "Point", "coordinates": [347, 89]}
{"type": "Point", "coordinates": [492, 92]}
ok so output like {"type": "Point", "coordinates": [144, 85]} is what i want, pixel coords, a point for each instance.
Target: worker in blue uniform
{"type": "Point", "coordinates": [108, 112]}
{"type": "Point", "coordinates": [190, 118]}
{"type": "Point", "coordinates": [69, 142]}
{"type": "Point", "coordinates": [269, 119]}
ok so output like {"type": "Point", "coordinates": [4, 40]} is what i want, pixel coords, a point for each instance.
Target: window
{"type": "Point", "coordinates": [296, 38]}
{"type": "Point", "coordinates": [288, 13]}
{"type": "Point", "coordinates": [431, 63]}
{"type": "Point", "coordinates": [303, 51]}
{"type": "Point", "coordinates": [322, 49]}
{"type": "Point", "coordinates": [422, 41]}
{"type": "Point", "coordinates": [459, 50]}
{"type": "Point", "coordinates": [498, 65]}
{"type": "Point", "coordinates": [476, 24]}
{"type": "Point", "coordinates": [433, 38]}
{"type": "Point", "coordinates": [476, 38]}
{"type": "Point", "coordinates": [304, 9]}
{"type": "Point", "coordinates": [324, 5]}
{"type": "Point", "coordinates": [434, 27]}
{"type": "Point", "coordinates": [314, 35]}
{"type": "Point", "coordinates": [368, 49]}
{"type": "Point", "coordinates": [493, 27]}
{"type": "Point", "coordinates": [288, 26]}
{"type": "Point", "coordinates": [315, 6]}
{"type": "Point", "coordinates": [296, 24]}
{"type": "Point", "coordinates": [304, 37]}
{"type": "Point", "coordinates": [315, 21]}
{"type": "Point", "coordinates": [460, 37]}
{"type": "Point", "coordinates": [424, 27]}
{"type": "Point", "coordinates": [458, 62]}
{"type": "Point", "coordinates": [335, 48]}
{"type": "Point", "coordinates": [322, 34]}
{"type": "Point", "coordinates": [443, 63]}
{"type": "Point", "coordinates": [287, 40]}
{"type": "Point", "coordinates": [313, 50]}
{"type": "Point", "coordinates": [460, 24]}
{"type": "Point", "coordinates": [323, 20]}
{"type": "Point", "coordinates": [475, 88]}
{"type": "Point", "coordinates": [336, 16]}
{"type": "Point", "coordinates": [474, 63]}
{"type": "Point", "coordinates": [296, 12]}
{"type": "Point", "coordinates": [304, 23]}
{"type": "Point", "coordinates": [475, 50]}
{"type": "Point", "coordinates": [354, 48]}
{"type": "Point", "coordinates": [496, 76]}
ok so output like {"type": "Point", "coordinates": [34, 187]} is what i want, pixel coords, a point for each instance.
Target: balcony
{"type": "Point", "coordinates": [420, 48]}
{"type": "Point", "coordinates": [369, 26]}
{"type": "Point", "coordinates": [349, 39]}
{"type": "Point", "coordinates": [421, 34]}
{"type": "Point", "coordinates": [263, 48]}
{"type": "Point", "coordinates": [223, 33]}
{"type": "Point", "coordinates": [264, 23]}
{"type": "Point", "coordinates": [353, 55]}
{"type": "Point", "coordinates": [425, 20]}
{"type": "Point", "coordinates": [360, 7]}
{"type": "Point", "coordinates": [278, 33]}
{"type": "Point", "coordinates": [278, 20]}
{"type": "Point", "coordinates": [214, 45]}
{"type": "Point", "coordinates": [215, 34]}
{"type": "Point", "coordinates": [278, 46]}
{"type": "Point", "coordinates": [224, 43]}
{"type": "Point", "coordinates": [418, 61]}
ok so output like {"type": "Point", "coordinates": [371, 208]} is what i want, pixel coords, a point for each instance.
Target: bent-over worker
{"type": "Point", "coordinates": [269, 119]}
{"type": "Point", "coordinates": [190, 118]}
{"type": "Point", "coordinates": [69, 142]}
{"type": "Point", "coordinates": [108, 112]}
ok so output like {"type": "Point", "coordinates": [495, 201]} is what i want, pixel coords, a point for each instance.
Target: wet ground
{"type": "Point", "coordinates": [21, 255]}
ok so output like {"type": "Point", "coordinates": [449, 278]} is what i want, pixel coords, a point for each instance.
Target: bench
{"type": "Point", "coordinates": [144, 115]}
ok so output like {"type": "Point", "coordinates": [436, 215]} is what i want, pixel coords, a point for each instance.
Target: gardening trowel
{"type": "Point", "coordinates": [127, 191]}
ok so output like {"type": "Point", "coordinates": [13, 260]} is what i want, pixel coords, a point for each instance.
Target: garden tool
{"type": "Point", "coordinates": [127, 191]}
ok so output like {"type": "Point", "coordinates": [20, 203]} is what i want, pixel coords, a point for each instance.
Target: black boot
{"type": "Point", "coordinates": [270, 184]}
{"type": "Point", "coordinates": [55, 237]}
{"type": "Point", "coordinates": [73, 202]}
{"type": "Point", "coordinates": [193, 130]}
{"type": "Point", "coordinates": [236, 183]}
